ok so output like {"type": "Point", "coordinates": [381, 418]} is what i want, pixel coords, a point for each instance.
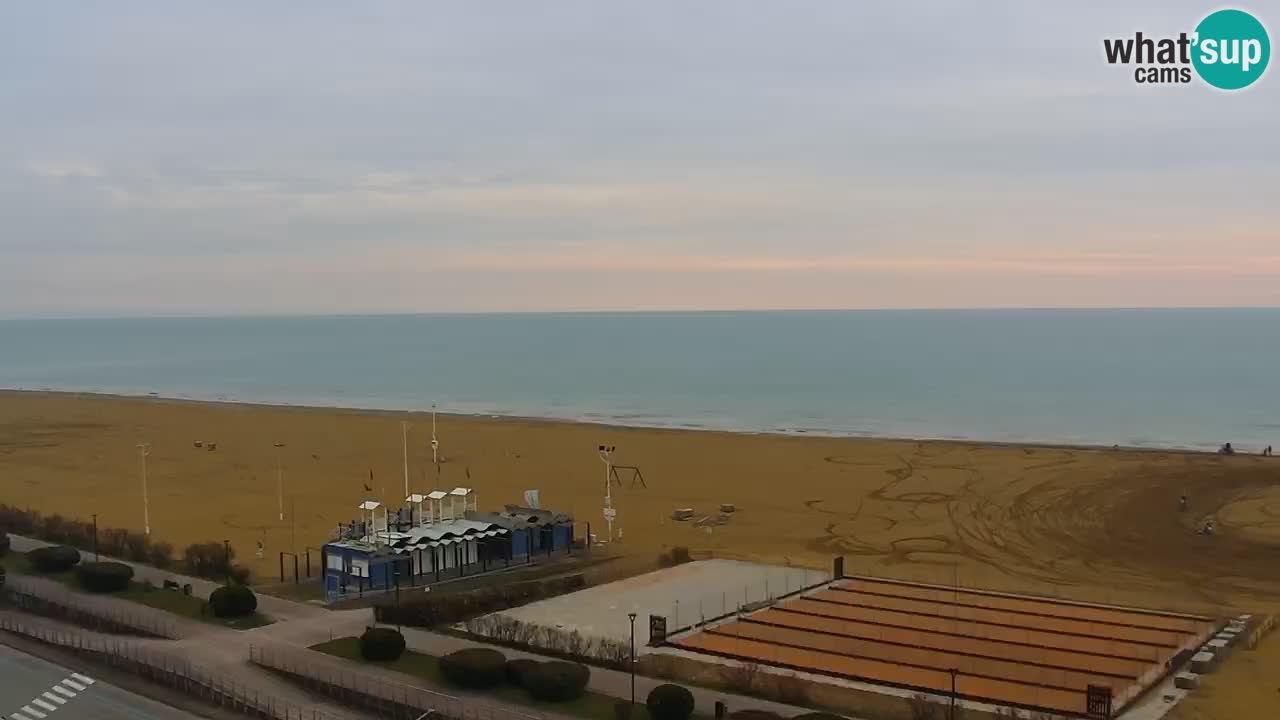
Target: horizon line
{"type": "Point", "coordinates": [689, 311]}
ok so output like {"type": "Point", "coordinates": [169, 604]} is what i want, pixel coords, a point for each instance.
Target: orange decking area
{"type": "Point", "coordinates": [1006, 649]}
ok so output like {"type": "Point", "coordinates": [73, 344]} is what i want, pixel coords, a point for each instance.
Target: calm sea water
{"type": "Point", "coordinates": [1171, 378]}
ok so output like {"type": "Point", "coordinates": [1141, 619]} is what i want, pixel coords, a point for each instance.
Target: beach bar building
{"type": "Point", "coordinates": [421, 545]}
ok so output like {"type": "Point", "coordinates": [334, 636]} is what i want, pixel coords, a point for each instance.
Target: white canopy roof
{"type": "Point", "coordinates": [370, 505]}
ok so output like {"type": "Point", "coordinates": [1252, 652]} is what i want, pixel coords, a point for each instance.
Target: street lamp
{"type": "Point", "coordinates": [144, 449]}
{"type": "Point", "coordinates": [951, 715]}
{"type": "Point", "coordinates": [435, 443]}
{"type": "Point", "coordinates": [632, 617]}
{"type": "Point", "coordinates": [606, 455]}
{"type": "Point", "coordinates": [279, 479]}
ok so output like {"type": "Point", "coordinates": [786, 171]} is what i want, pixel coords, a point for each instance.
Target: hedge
{"type": "Point", "coordinates": [475, 668]}
{"type": "Point", "coordinates": [669, 702]}
{"type": "Point", "coordinates": [557, 680]}
{"type": "Point", "coordinates": [381, 644]}
{"type": "Point", "coordinates": [754, 715]}
{"type": "Point", "coordinates": [430, 611]}
{"type": "Point", "coordinates": [233, 601]}
{"type": "Point", "coordinates": [818, 716]}
{"type": "Point", "coordinates": [54, 558]}
{"type": "Point", "coordinates": [515, 670]}
{"type": "Point", "coordinates": [104, 577]}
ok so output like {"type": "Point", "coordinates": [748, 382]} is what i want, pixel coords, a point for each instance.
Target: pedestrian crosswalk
{"type": "Point", "coordinates": [47, 702]}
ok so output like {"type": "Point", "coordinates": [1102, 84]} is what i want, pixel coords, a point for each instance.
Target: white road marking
{"type": "Point", "coordinates": [82, 678]}
{"type": "Point", "coordinates": [64, 691]}
{"type": "Point", "coordinates": [18, 716]}
{"type": "Point", "coordinates": [55, 698]}
{"type": "Point", "coordinates": [44, 705]}
{"type": "Point", "coordinates": [73, 685]}
{"type": "Point", "coordinates": [33, 713]}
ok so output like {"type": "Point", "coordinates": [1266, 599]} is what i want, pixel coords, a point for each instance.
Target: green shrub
{"type": "Point", "coordinates": [4, 543]}
{"type": "Point", "coordinates": [104, 577]}
{"type": "Point", "coordinates": [160, 555]}
{"type": "Point", "coordinates": [233, 601]}
{"type": "Point", "coordinates": [669, 702]}
{"type": "Point", "coordinates": [475, 668]}
{"type": "Point", "coordinates": [208, 560]}
{"type": "Point", "coordinates": [515, 670]}
{"type": "Point", "coordinates": [54, 558]}
{"type": "Point", "coordinates": [381, 644]}
{"type": "Point", "coordinates": [556, 680]}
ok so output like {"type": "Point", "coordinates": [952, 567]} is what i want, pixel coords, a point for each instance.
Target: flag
{"type": "Point", "coordinates": [369, 487]}
{"type": "Point", "coordinates": [468, 472]}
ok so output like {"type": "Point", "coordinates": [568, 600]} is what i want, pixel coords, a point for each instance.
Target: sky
{"type": "Point", "coordinates": [196, 158]}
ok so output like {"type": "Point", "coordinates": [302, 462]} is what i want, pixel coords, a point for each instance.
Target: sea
{"type": "Point", "coordinates": [1184, 378]}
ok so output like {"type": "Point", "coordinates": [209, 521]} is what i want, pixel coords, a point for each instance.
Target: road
{"type": "Point", "coordinates": [34, 689]}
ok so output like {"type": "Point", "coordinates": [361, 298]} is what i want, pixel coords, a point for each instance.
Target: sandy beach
{"type": "Point", "coordinates": [1089, 523]}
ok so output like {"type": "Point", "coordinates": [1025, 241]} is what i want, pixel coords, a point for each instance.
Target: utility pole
{"type": "Point", "coordinates": [144, 449]}
{"type": "Point", "coordinates": [280, 479]}
{"type": "Point", "coordinates": [606, 455]}
{"type": "Point", "coordinates": [435, 442]}
{"type": "Point", "coordinates": [404, 447]}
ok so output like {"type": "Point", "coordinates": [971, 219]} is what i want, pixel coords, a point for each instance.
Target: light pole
{"type": "Point", "coordinates": [404, 448]}
{"type": "Point", "coordinates": [144, 449]}
{"type": "Point", "coordinates": [279, 478]}
{"type": "Point", "coordinates": [632, 617]}
{"type": "Point", "coordinates": [952, 713]}
{"type": "Point", "coordinates": [95, 538]}
{"type": "Point", "coordinates": [606, 455]}
{"type": "Point", "coordinates": [435, 442]}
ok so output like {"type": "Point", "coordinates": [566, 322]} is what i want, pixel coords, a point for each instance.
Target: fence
{"type": "Point", "coordinates": [776, 583]}
{"type": "Point", "coordinates": [165, 669]}
{"type": "Point", "coordinates": [390, 699]}
{"type": "Point", "coordinates": [47, 598]}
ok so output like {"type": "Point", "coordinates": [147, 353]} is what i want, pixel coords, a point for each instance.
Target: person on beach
{"type": "Point", "coordinates": [1226, 449]}
{"type": "Point", "coordinates": [1182, 503]}
{"type": "Point", "coordinates": [1267, 452]}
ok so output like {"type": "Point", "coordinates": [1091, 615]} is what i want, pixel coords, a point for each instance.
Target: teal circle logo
{"type": "Point", "coordinates": [1231, 49]}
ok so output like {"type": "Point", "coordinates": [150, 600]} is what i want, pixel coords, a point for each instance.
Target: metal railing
{"type": "Point", "coordinates": [165, 669]}
{"type": "Point", "coordinates": [50, 599]}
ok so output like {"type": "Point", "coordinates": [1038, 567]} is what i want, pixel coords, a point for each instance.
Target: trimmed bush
{"type": "Point", "coordinates": [475, 668]}
{"type": "Point", "coordinates": [556, 680]}
{"type": "Point", "coordinates": [104, 577]}
{"type": "Point", "coordinates": [381, 644]}
{"type": "Point", "coordinates": [669, 702]}
{"type": "Point", "coordinates": [54, 559]}
{"type": "Point", "coordinates": [233, 601]}
{"type": "Point", "coordinates": [516, 670]}
{"type": "Point", "coordinates": [4, 543]}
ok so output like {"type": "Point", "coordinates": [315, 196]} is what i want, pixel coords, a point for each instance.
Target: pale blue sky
{"type": "Point", "coordinates": [248, 157]}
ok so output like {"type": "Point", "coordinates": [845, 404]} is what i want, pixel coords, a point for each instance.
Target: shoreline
{"type": "Point", "coordinates": [617, 423]}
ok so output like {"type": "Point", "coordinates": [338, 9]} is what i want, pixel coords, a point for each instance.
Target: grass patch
{"type": "Point", "coordinates": [308, 591]}
{"type": "Point", "coordinates": [427, 667]}
{"type": "Point", "coordinates": [187, 606]}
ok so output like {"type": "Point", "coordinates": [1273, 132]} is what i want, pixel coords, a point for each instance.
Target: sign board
{"type": "Point", "coordinates": [610, 513]}
{"type": "Point", "coordinates": [657, 629]}
{"type": "Point", "coordinates": [837, 567]}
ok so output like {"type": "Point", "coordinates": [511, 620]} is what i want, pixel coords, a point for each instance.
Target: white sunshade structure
{"type": "Point", "coordinates": [435, 506]}
{"type": "Point", "coordinates": [468, 497]}
{"type": "Point", "coordinates": [371, 506]}
{"type": "Point", "coordinates": [416, 500]}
